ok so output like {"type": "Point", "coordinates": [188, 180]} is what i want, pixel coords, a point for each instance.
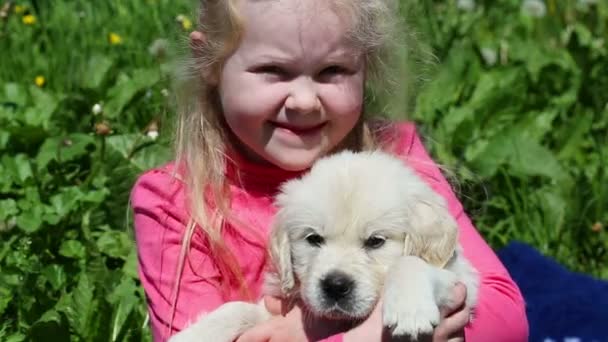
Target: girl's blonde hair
{"type": "Point", "coordinates": [202, 134]}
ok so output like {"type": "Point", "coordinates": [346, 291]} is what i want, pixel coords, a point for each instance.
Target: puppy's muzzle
{"type": "Point", "coordinates": [336, 286]}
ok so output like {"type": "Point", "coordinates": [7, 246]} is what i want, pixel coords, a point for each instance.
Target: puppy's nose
{"type": "Point", "coordinates": [337, 285]}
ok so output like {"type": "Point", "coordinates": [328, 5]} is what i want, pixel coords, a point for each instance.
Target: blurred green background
{"type": "Point", "coordinates": [513, 102]}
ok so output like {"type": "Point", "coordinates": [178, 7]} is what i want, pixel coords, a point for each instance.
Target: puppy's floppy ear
{"type": "Point", "coordinates": [280, 250]}
{"type": "Point", "coordinates": [433, 234]}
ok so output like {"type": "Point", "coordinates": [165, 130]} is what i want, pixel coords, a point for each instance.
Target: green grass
{"type": "Point", "coordinates": [524, 137]}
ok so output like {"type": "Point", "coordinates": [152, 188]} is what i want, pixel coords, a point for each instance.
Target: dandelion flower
{"type": "Point", "coordinates": [534, 8]}
{"type": "Point", "coordinates": [29, 19]}
{"type": "Point", "coordinates": [40, 81]}
{"type": "Point", "coordinates": [186, 24]}
{"type": "Point", "coordinates": [19, 9]}
{"type": "Point", "coordinates": [97, 109]}
{"type": "Point", "coordinates": [466, 5]}
{"type": "Point", "coordinates": [184, 21]}
{"type": "Point", "coordinates": [114, 38]}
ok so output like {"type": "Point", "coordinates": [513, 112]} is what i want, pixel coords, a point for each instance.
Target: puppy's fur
{"type": "Point", "coordinates": [357, 227]}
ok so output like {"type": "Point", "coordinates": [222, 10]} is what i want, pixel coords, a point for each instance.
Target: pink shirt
{"type": "Point", "coordinates": [160, 217]}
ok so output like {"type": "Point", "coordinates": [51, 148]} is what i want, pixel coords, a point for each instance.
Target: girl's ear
{"type": "Point", "coordinates": [433, 233]}
{"type": "Point", "coordinates": [197, 40]}
{"type": "Point", "coordinates": [280, 251]}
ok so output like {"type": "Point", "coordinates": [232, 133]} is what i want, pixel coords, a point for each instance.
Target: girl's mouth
{"type": "Point", "coordinates": [297, 129]}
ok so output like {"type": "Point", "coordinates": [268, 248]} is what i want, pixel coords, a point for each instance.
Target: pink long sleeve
{"type": "Point", "coordinates": [159, 220]}
{"type": "Point", "coordinates": [500, 314]}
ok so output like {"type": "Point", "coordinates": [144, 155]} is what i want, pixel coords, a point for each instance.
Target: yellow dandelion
{"type": "Point", "coordinates": [29, 19]}
{"type": "Point", "coordinates": [19, 9]}
{"type": "Point", "coordinates": [114, 38]}
{"type": "Point", "coordinates": [40, 81]}
{"type": "Point", "coordinates": [186, 24]}
{"type": "Point", "coordinates": [184, 21]}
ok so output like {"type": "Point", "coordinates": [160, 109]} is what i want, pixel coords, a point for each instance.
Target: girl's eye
{"type": "Point", "coordinates": [333, 70]}
{"type": "Point", "coordinates": [271, 70]}
{"type": "Point", "coordinates": [375, 242]}
{"type": "Point", "coordinates": [315, 239]}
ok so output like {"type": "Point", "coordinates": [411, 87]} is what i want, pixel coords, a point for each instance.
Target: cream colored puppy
{"type": "Point", "coordinates": [357, 227]}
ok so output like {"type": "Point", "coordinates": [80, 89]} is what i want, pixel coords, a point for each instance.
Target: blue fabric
{"type": "Point", "coordinates": [561, 305]}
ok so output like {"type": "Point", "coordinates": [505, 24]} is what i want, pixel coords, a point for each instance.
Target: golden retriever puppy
{"type": "Point", "coordinates": [355, 228]}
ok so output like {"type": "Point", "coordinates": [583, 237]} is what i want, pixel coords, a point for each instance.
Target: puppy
{"type": "Point", "coordinates": [356, 227]}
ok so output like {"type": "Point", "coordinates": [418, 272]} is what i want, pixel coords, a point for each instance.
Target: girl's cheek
{"type": "Point", "coordinates": [343, 99]}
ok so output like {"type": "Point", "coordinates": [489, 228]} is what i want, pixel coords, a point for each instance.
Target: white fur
{"type": "Point", "coordinates": [345, 199]}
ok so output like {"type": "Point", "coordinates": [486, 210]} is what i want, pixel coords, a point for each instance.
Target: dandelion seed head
{"type": "Point", "coordinates": [489, 55]}
{"type": "Point", "coordinates": [152, 134]}
{"type": "Point", "coordinates": [158, 48]}
{"type": "Point", "coordinates": [97, 109]}
{"type": "Point", "coordinates": [534, 8]}
{"type": "Point", "coordinates": [466, 5]}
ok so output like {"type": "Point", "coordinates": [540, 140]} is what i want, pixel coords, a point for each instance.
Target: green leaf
{"type": "Point", "coordinates": [55, 275]}
{"type": "Point", "coordinates": [45, 105]}
{"type": "Point", "coordinates": [17, 167]}
{"type": "Point", "coordinates": [130, 266]}
{"type": "Point", "coordinates": [523, 154]}
{"type": "Point", "coordinates": [30, 221]}
{"type": "Point", "coordinates": [80, 306]}
{"type": "Point", "coordinates": [529, 158]}
{"type": "Point", "coordinates": [6, 296]}
{"type": "Point", "coordinates": [63, 149]}
{"type": "Point", "coordinates": [72, 249]}
{"type": "Point", "coordinates": [124, 299]}
{"type": "Point", "coordinates": [65, 202]}
{"type": "Point", "coordinates": [97, 69]}
{"type": "Point", "coordinates": [15, 93]}
{"type": "Point", "coordinates": [50, 326]}
{"type": "Point", "coordinates": [126, 88]}
{"type": "Point", "coordinates": [8, 208]}
{"type": "Point", "coordinates": [4, 139]}
{"type": "Point", "coordinates": [115, 244]}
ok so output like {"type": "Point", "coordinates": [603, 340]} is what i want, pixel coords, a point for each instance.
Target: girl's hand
{"type": "Point", "coordinates": [288, 324]}
{"type": "Point", "coordinates": [290, 327]}
{"type": "Point", "coordinates": [451, 328]}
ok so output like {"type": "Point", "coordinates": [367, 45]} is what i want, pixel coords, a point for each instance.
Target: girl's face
{"type": "Point", "coordinates": [293, 89]}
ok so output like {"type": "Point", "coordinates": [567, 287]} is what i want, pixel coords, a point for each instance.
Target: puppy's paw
{"type": "Point", "coordinates": [411, 316]}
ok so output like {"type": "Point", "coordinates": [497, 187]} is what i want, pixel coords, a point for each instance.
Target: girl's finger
{"type": "Point", "coordinates": [274, 305]}
{"type": "Point", "coordinates": [452, 327]}
{"type": "Point", "coordinates": [459, 294]}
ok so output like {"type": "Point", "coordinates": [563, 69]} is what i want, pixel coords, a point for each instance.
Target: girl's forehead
{"type": "Point", "coordinates": [295, 25]}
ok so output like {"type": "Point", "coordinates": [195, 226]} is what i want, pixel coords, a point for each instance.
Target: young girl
{"type": "Point", "coordinates": [276, 85]}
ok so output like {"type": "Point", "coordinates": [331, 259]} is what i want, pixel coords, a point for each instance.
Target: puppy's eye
{"type": "Point", "coordinates": [374, 242]}
{"type": "Point", "coordinates": [315, 239]}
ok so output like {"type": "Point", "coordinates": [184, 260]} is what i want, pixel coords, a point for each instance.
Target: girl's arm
{"type": "Point", "coordinates": [159, 220]}
{"type": "Point", "coordinates": [500, 314]}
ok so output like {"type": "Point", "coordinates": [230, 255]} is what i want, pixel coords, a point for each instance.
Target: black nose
{"type": "Point", "coordinates": [337, 285]}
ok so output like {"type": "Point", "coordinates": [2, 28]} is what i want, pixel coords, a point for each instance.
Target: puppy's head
{"type": "Point", "coordinates": [340, 227]}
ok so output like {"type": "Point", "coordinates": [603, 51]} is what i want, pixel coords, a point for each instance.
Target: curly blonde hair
{"type": "Point", "coordinates": [202, 135]}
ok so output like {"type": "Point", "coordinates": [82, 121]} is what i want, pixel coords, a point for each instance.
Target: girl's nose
{"type": "Point", "coordinates": [303, 97]}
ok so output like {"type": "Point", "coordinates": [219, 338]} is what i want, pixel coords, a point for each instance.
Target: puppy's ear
{"type": "Point", "coordinates": [433, 234]}
{"type": "Point", "coordinates": [280, 251]}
